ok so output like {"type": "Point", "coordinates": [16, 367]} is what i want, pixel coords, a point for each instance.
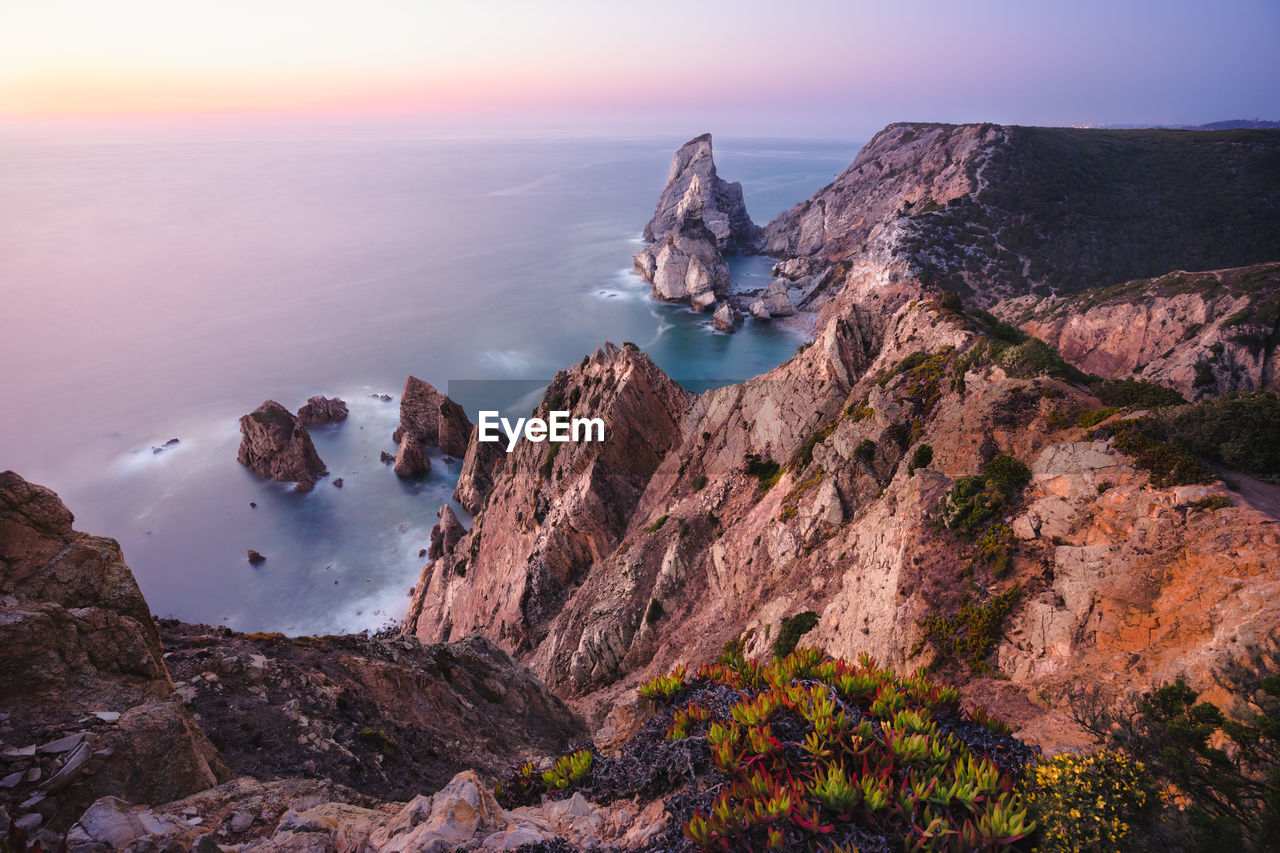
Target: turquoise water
{"type": "Point", "coordinates": [159, 286]}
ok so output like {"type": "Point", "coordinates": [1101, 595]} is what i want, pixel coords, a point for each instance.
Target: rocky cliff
{"type": "Point", "coordinates": [699, 219]}
{"type": "Point", "coordinates": [830, 484]}
{"type": "Point", "coordinates": [101, 711]}
{"type": "Point", "coordinates": [993, 211]}
{"type": "Point", "coordinates": [87, 706]}
{"type": "Point", "coordinates": [1204, 334]}
{"type": "Point", "coordinates": [275, 444]}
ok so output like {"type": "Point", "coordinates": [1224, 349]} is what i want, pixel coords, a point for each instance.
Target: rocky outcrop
{"type": "Point", "coordinates": [84, 693]}
{"type": "Point", "coordinates": [479, 467]}
{"type": "Point", "coordinates": [724, 319]}
{"type": "Point", "coordinates": [1204, 334]}
{"type": "Point", "coordinates": [411, 461]}
{"type": "Point", "coordinates": [993, 211]}
{"type": "Point", "coordinates": [275, 444]}
{"type": "Point", "coordinates": [445, 534]}
{"type": "Point", "coordinates": [693, 184]}
{"type": "Point", "coordinates": [391, 718]}
{"type": "Point", "coordinates": [322, 410]}
{"type": "Point", "coordinates": [554, 511]}
{"type": "Point", "coordinates": [431, 418]}
{"type": "Point", "coordinates": [699, 219]}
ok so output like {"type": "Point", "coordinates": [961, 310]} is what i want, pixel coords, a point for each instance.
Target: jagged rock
{"type": "Point", "coordinates": [67, 591]}
{"type": "Point", "coordinates": [337, 483]}
{"type": "Point", "coordinates": [411, 461]}
{"type": "Point", "coordinates": [116, 824]}
{"type": "Point", "coordinates": [479, 468]}
{"type": "Point", "coordinates": [723, 318]}
{"type": "Point", "coordinates": [777, 302]}
{"type": "Point", "coordinates": [760, 310]}
{"type": "Point", "coordinates": [322, 410]}
{"type": "Point", "coordinates": [445, 534]}
{"type": "Point", "coordinates": [387, 458]}
{"type": "Point", "coordinates": [255, 558]}
{"type": "Point", "coordinates": [277, 446]}
{"type": "Point", "coordinates": [699, 219]}
{"type": "Point", "coordinates": [694, 187]}
{"type": "Point", "coordinates": [432, 418]}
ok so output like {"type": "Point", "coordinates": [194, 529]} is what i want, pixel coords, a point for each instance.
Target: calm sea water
{"type": "Point", "coordinates": [160, 285]}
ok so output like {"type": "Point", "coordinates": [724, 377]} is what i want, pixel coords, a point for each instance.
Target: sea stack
{"type": "Point", "coordinates": [276, 445]}
{"type": "Point", "coordinates": [699, 219]}
{"type": "Point", "coordinates": [322, 410]}
{"type": "Point", "coordinates": [431, 418]}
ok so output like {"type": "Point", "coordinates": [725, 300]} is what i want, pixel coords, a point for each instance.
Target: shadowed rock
{"type": "Point", "coordinates": [276, 445]}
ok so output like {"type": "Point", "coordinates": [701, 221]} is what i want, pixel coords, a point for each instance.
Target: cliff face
{"type": "Point", "coordinates": [1204, 334]}
{"type": "Point", "coordinates": [554, 510]}
{"type": "Point", "coordinates": [995, 211]}
{"type": "Point", "coordinates": [820, 486]}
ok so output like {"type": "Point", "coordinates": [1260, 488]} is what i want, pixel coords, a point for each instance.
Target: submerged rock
{"type": "Point", "coordinates": [277, 446]}
{"type": "Point", "coordinates": [322, 410]}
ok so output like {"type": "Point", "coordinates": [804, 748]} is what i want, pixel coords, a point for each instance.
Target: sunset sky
{"type": "Point", "coordinates": [748, 66]}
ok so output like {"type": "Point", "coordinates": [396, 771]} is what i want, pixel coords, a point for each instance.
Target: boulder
{"type": "Point", "coordinates": [723, 318]}
{"type": "Point", "coordinates": [322, 410]}
{"type": "Point", "coordinates": [703, 301]}
{"type": "Point", "coordinates": [276, 445]}
{"type": "Point", "coordinates": [432, 418]}
{"type": "Point", "coordinates": [760, 310]}
{"type": "Point", "coordinates": [777, 300]}
{"type": "Point", "coordinates": [411, 461]}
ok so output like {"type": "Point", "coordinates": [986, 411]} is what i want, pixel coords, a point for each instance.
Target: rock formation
{"type": "Point", "coordinates": [723, 318]}
{"type": "Point", "coordinates": [322, 410]}
{"type": "Point", "coordinates": [699, 219]}
{"type": "Point", "coordinates": [84, 691]}
{"type": "Point", "coordinates": [431, 418]}
{"type": "Point", "coordinates": [277, 446]}
{"type": "Point", "coordinates": [479, 467]}
{"type": "Point", "coordinates": [693, 185]}
{"type": "Point", "coordinates": [411, 461]}
{"type": "Point", "coordinates": [1204, 334]}
{"type": "Point", "coordinates": [445, 534]}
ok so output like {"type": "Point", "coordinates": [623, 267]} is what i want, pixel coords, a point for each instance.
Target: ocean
{"type": "Point", "coordinates": [159, 284]}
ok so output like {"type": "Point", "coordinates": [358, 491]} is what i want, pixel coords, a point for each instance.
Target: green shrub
{"type": "Point", "coordinates": [805, 455]}
{"type": "Point", "coordinates": [657, 525]}
{"type": "Point", "coordinates": [791, 630]}
{"type": "Point", "coordinates": [1135, 393]}
{"type": "Point", "coordinates": [1236, 430]}
{"type": "Point", "coordinates": [995, 547]}
{"type": "Point", "coordinates": [970, 635]}
{"type": "Point", "coordinates": [699, 482]}
{"type": "Point", "coordinates": [763, 469]}
{"type": "Point", "coordinates": [654, 612]}
{"type": "Point", "coordinates": [922, 457]}
{"type": "Point", "coordinates": [866, 450]}
{"type": "Point", "coordinates": [1036, 358]}
{"type": "Point", "coordinates": [976, 499]}
{"type": "Point", "coordinates": [1211, 503]}
{"type": "Point", "coordinates": [1145, 440]}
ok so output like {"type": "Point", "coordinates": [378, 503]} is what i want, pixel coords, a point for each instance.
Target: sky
{"type": "Point", "coordinates": [800, 68]}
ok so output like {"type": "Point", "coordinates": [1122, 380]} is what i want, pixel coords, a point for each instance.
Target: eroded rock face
{"type": "Point", "coordinates": [322, 410]}
{"type": "Point", "coordinates": [76, 637]}
{"type": "Point", "coordinates": [445, 534]}
{"type": "Point", "coordinates": [479, 467]}
{"type": "Point", "coordinates": [554, 509]}
{"type": "Point", "coordinates": [693, 185]}
{"type": "Point", "coordinates": [1204, 334]}
{"type": "Point", "coordinates": [431, 418]}
{"type": "Point", "coordinates": [276, 445]}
